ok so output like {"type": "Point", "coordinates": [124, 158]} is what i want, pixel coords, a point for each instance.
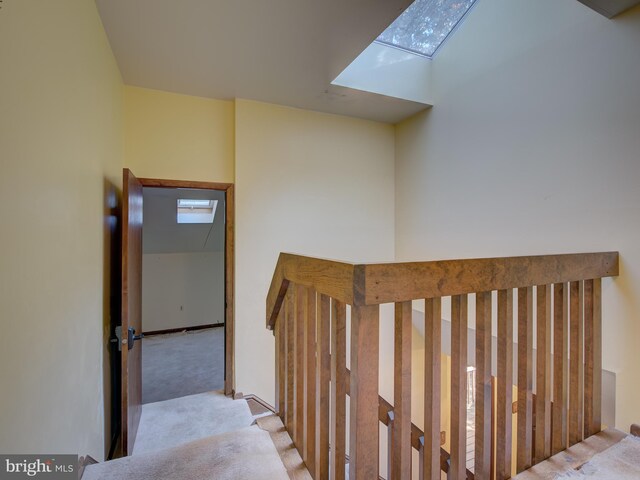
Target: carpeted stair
{"type": "Point", "coordinates": [204, 436]}
{"type": "Point", "coordinates": [247, 453]}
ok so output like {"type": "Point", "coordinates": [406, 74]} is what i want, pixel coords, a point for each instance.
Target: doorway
{"type": "Point", "coordinates": [222, 239]}
{"type": "Point", "coordinates": [182, 292]}
{"type": "Point", "coordinates": [187, 203]}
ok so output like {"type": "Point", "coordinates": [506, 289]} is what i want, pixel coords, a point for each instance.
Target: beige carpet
{"type": "Point", "coordinates": [173, 422]}
{"type": "Point", "coordinates": [620, 462]}
{"type": "Point", "coordinates": [180, 364]}
{"type": "Point", "coordinates": [244, 454]}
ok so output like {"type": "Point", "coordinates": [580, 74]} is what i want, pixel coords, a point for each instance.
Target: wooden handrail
{"type": "Point", "coordinates": [307, 310]}
{"type": "Point", "coordinates": [376, 283]}
{"type": "Point", "coordinates": [329, 277]}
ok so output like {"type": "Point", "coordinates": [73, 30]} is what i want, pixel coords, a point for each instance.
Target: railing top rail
{"type": "Point", "coordinates": [376, 283]}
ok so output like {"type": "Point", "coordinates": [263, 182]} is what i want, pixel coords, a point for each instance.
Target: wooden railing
{"type": "Point", "coordinates": [307, 309]}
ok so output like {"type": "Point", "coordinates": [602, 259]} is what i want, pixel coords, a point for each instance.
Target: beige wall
{"type": "Point", "coordinates": [532, 148]}
{"type": "Point", "coordinates": [307, 183]}
{"type": "Point", "coordinates": [60, 153]}
{"type": "Point", "coordinates": [182, 290]}
{"type": "Point", "coordinates": [178, 137]}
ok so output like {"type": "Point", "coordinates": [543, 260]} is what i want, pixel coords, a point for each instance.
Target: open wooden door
{"type": "Point", "coordinates": [131, 309]}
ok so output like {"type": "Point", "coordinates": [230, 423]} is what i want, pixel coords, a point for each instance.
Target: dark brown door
{"type": "Point", "coordinates": [131, 309]}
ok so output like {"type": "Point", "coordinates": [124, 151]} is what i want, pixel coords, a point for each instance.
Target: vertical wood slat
{"type": "Point", "coordinates": [593, 356]}
{"type": "Point", "coordinates": [310, 381]}
{"type": "Point", "coordinates": [338, 390]}
{"type": "Point", "coordinates": [323, 377]}
{"type": "Point", "coordinates": [281, 364]}
{"type": "Point", "coordinates": [432, 383]}
{"type": "Point", "coordinates": [390, 446]}
{"type": "Point", "coordinates": [278, 376]}
{"type": "Point", "coordinates": [482, 469]}
{"type": "Point", "coordinates": [543, 374]}
{"type": "Point", "coordinates": [421, 473]}
{"type": "Point", "coordinates": [576, 368]}
{"type": "Point", "coordinates": [364, 433]}
{"type": "Point", "coordinates": [458, 465]}
{"type": "Point", "coordinates": [401, 426]}
{"type": "Point", "coordinates": [505, 384]}
{"type": "Point", "coordinates": [560, 368]}
{"type": "Point", "coordinates": [289, 313]}
{"type": "Point", "coordinates": [494, 424]}
{"type": "Point", "coordinates": [299, 319]}
{"type": "Point", "coordinates": [525, 378]}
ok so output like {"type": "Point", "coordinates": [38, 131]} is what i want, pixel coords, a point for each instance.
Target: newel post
{"type": "Point", "coordinates": [363, 445]}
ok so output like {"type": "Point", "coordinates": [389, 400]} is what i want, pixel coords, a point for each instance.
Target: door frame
{"type": "Point", "coordinates": [229, 274]}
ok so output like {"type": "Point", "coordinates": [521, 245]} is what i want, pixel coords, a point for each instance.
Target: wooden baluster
{"type": "Point", "coordinates": [505, 384]}
{"type": "Point", "coordinates": [290, 315]}
{"type": "Point", "coordinates": [323, 377]}
{"type": "Point", "coordinates": [421, 459]}
{"type": "Point", "coordinates": [390, 445]}
{"type": "Point", "coordinates": [494, 425]}
{"type": "Point", "coordinates": [459, 322]}
{"type": "Point", "coordinates": [593, 356]}
{"type": "Point", "coordinates": [301, 305]}
{"type": "Point", "coordinates": [483, 443]}
{"type": "Point", "coordinates": [310, 381]}
{"type": "Point", "coordinates": [543, 374]}
{"type": "Point", "coordinates": [525, 377]}
{"type": "Point", "coordinates": [338, 390]}
{"type": "Point", "coordinates": [560, 361]}
{"type": "Point", "coordinates": [576, 372]}
{"type": "Point", "coordinates": [432, 385]}
{"type": "Point", "coordinates": [363, 439]}
{"type": "Point", "coordinates": [401, 426]}
{"type": "Point", "coordinates": [281, 363]}
{"type": "Point", "coordinates": [278, 377]}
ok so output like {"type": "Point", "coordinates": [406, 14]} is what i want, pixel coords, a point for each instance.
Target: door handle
{"type": "Point", "coordinates": [132, 337]}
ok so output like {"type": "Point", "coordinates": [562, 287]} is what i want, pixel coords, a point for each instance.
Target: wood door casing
{"type": "Point", "coordinates": [131, 308]}
{"type": "Point", "coordinates": [229, 329]}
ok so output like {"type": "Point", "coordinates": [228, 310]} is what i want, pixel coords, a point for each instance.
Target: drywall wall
{"type": "Point", "coordinates": [60, 161]}
{"type": "Point", "coordinates": [532, 148]}
{"type": "Point", "coordinates": [389, 71]}
{"type": "Point", "coordinates": [178, 137]}
{"type": "Point", "coordinates": [182, 290]}
{"type": "Point", "coordinates": [307, 183]}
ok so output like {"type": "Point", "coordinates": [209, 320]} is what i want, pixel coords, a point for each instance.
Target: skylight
{"type": "Point", "coordinates": [423, 26]}
{"type": "Point", "coordinates": [196, 210]}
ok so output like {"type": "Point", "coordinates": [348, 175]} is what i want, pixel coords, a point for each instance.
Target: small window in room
{"type": "Point", "coordinates": [196, 211]}
{"type": "Point", "coordinates": [423, 26]}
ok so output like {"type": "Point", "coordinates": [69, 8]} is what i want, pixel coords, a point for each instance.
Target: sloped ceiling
{"type": "Point", "coordinates": [163, 234]}
{"type": "Point", "coordinates": [610, 8]}
{"type": "Point", "coordinates": [279, 51]}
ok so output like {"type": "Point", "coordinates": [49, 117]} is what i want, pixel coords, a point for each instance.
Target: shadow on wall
{"type": "Point", "coordinates": [111, 285]}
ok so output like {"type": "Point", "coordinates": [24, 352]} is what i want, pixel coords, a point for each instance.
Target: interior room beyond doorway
{"type": "Point", "coordinates": [183, 292]}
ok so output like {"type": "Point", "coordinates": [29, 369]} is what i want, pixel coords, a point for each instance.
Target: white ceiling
{"type": "Point", "coordinates": [161, 233]}
{"type": "Point", "coordinates": [279, 51]}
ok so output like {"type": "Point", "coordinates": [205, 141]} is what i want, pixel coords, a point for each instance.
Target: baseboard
{"type": "Point", "coordinates": [261, 404]}
{"type": "Point", "coordinates": [182, 329]}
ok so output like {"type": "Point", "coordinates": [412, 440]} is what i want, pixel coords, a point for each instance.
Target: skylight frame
{"type": "Point", "coordinates": [196, 211]}
{"type": "Point", "coordinates": [438, 47]}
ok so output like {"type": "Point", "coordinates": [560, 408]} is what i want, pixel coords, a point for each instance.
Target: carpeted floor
{"type": "Point", "coordinates": [180, 364]}
{"type": "Point", "coordinates": [181, 420]}
{"type": "Point", "coordinates": [243, 454]}
{"type": "Point", "coordinates": [620, 462]}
